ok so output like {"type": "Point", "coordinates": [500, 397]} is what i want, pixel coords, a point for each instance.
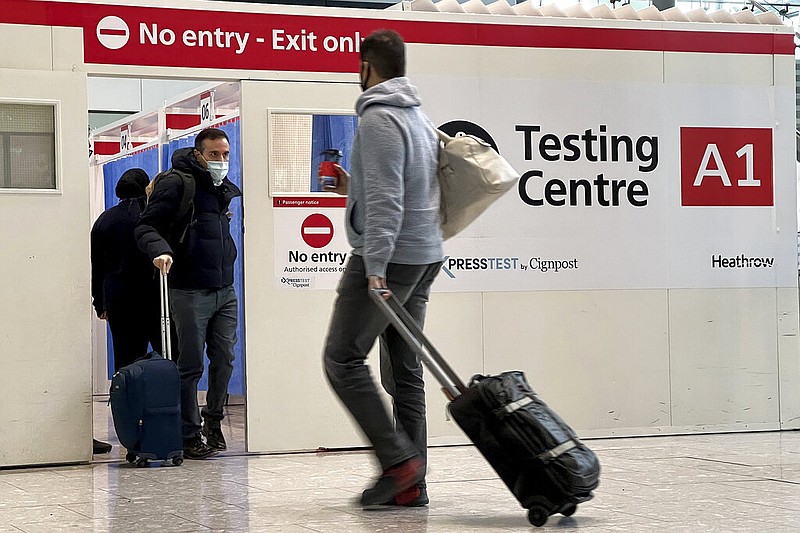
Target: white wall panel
{"type": "Point", "coordinates": [27, 47]}
{"type": "Point", "coordinates": [66, 56]}
{"type": "Point", "coordinates": [718, 69]}
{"type": "Point", "coordinates": [788, 357]}
{"type": "Point", "coordinates": [522, 63]}
{"type": "Point", "coordinates": [455, 325]}
{"type": "Point", "coordinates": [155, 91]}
{"type": "Point", "coordinates": [115, 94]}
{"type": "Point", "coordinates": [724, 359]}
{"type": "Point", "coordinates": [46, 411]}
{"type": "Point", "coordinates": [135, 94]}
{"type": "Point", "coordinates": [568, 64]}
{"type": "Point", "coordinates": [784, 69]}
{"type": "Point", "coordinates": [600, 358]}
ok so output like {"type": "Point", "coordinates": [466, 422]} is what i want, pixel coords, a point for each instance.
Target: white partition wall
{"type": "Point", "coordinates": [641, 337]}
{"type": "Point", "coordinates": [285, 330]}
{"type": "Point", "coordinates": [46, 411]}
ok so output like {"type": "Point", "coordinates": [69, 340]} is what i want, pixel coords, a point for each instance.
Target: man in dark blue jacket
{"type": "Point", "coordinates": [185, 231]}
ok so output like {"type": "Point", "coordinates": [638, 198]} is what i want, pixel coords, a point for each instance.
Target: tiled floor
{"type": "Point", "coordinates": [697, 484]}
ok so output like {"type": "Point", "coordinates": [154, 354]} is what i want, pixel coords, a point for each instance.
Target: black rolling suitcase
{"type": "Point", "coordinates": [146, 402]}
{"type": "Point", "coordinates": [532, 449]}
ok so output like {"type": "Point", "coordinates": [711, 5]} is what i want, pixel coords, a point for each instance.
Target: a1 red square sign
{"type": "Point", "coordinates": [726, 167]}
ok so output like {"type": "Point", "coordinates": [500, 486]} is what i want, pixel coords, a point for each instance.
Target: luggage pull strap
{"type": "Point", "coordinates": [562, 448]}
{"type": "Point", "coordinates": [513, 406]}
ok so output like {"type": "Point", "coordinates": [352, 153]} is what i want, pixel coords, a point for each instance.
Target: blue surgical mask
{"type": "Point", "coordinates": [218, 170]}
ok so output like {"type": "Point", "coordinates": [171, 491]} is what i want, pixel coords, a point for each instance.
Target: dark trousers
{"type": "Point", "coordinates": [132, 328]}
{"type": "Point", "coordinates": [205, 321]}
{"type": "Point", "coordinates": [355, 325]}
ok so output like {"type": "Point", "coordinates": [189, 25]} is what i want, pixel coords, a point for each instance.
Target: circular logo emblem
{"type": "Point", "coordinates": [457, 128]}
{"type": "Point", "coordinates": [112, 32]}
{"type": "Point", "coordinates": [317, 230]}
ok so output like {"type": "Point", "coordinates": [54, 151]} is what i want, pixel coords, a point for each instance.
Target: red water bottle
{"type": "Point", "coordinates": [327, 168]}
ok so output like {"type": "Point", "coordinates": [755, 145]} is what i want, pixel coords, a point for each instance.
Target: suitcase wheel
{"type": "Point", "coordinates": [569, 509]}
{"type": "Point", "coordinates": [537, 515]}
{"type": "Point", "coordinates": [130, 457]}
{"type": "Point", "coordinates": [141, 462]}
{"type": "Point", "coordinates": [177, 461]}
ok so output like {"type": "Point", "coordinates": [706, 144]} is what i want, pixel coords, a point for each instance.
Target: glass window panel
{"type": "Point", "coordinates": [290, 158]}
{"type": "Point", "coordinates": [27, 146]}
{"type": "Point", "coordinates": [32, 161]}
{"type": "Point", "coordinates": [26, 118]}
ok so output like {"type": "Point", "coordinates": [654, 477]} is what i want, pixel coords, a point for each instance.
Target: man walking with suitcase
{"type": "Point", "coordinates": [185, 231]}
{"type": "Point", "coordinates": [393, 227]}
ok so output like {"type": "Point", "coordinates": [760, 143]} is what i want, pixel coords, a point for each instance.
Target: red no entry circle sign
{"type": "Point", "coordinates": [317, 230]}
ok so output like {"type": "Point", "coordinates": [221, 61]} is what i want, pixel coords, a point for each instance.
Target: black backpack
{"type": "Point", "coordinates": [186, 204]}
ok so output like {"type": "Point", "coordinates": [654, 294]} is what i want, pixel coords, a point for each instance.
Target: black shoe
{"type": "Point", "coordinates": [394, 481]}
{"type": "Point", "coordinates": [416, 496]}
{"type": "Point", "coordinates": [214, 437]}
{"type": "Point", "coordinates": [100, 447]}
{"type": "Point", "coordinates": [197, 449]}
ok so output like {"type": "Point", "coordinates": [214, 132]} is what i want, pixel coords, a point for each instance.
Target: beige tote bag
{"type": "Point", "coordinates": [472, 176]}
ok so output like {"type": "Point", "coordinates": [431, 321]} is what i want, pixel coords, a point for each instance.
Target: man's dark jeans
{"type": "Point", "coordinates": [204, 319]}
{"type": "Point", "coordinates": [355, 325]}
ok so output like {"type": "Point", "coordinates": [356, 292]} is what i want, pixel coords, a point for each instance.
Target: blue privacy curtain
{"type": "Point", "coordinates": [147, 160]}
{"type": "Point", "coordinates": [331, 132]}
{"type": "Point", "coordinates": [232, 129]}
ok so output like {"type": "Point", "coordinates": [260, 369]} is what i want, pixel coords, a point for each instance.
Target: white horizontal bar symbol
{"type": "Point", "coordinates": [316, 231]}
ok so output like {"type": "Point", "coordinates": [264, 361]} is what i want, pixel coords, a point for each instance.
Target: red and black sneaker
{"type": "Point", "coordinates": [394, 481]}
{"type": "Point", "coordinates": [415, 496]}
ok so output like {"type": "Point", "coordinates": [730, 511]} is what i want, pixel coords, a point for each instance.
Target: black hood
{"type": "Point", "coordinates": [132, 183]}
{"type": "Point", "coordinates": [183, 159]}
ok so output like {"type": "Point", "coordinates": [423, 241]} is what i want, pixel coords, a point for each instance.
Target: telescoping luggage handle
{"type": "Point", "coordinates": [408, 328]}
{"type": "Point", "coordinates": [166, 338]}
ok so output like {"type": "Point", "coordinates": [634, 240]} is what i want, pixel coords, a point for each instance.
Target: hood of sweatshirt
{"type": "Point", "coordinates": [397, 92]}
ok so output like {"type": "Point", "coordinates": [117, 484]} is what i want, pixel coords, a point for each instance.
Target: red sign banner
{"type": "Point", "coordinates": [205, 38]}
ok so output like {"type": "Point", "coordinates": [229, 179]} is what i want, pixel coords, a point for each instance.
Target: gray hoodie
{"type": "Point", "coordinates": [393, 195]}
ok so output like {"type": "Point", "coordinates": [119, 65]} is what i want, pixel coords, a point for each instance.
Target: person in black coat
{"type": "Point", "coordinates": [124, 289]}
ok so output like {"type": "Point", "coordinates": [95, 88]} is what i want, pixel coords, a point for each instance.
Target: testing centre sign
{"type": "Point", "coordinates": [670, 187]}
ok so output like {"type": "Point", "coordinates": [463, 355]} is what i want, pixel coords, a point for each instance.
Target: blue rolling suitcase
{"type": "Point", "coordinates": [535, 453]}
{"type": "Point", "coordinates": [146, 402]}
